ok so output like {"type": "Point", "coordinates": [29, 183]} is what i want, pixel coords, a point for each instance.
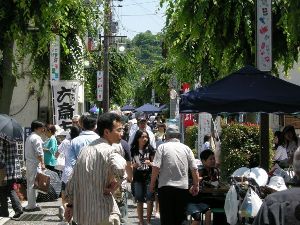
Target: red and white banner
{"type": "Point", "coordinates": [188, 118]}
{"type": "Point", "coordinates": [264, 35]}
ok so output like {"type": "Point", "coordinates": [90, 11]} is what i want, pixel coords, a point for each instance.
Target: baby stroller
{"type": "Point", "coordinates": [246, 195]}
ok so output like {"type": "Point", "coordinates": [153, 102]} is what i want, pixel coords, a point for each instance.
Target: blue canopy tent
{"type": "Point", "coordinates": [163, 107]}
{"type": "Point", "coordinates": [127, 108]}
{"type": "Point", "coordinates": [148, 108]}
{"type": "Point", "coordinates": [246, 90]}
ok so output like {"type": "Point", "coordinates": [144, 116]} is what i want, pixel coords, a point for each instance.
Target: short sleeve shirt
{"type": "Point", "coordinates": [174, 159]}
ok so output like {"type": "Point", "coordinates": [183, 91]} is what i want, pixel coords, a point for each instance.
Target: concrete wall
{"type": "Point", "coordinates": [24, 112]}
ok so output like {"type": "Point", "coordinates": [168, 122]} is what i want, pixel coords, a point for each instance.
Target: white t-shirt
{"type": "Point", "coordinates": [280, 153]}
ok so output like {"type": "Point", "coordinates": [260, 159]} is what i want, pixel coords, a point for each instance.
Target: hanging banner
{"type": "Point", "coordinates": [204, 128]}
{"type": "Point", "coordinates": [264, 35]}
{"type": "Point", "coordinates": [99, 86]}
{"type": "Point", "coordinates": [55, 59]}
{"type": "Point", "coordinates": [188, 118]}
{"type": "Point", "coordinates": [65, 102]}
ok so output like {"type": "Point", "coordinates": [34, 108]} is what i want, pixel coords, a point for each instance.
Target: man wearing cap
{"type": "Point", "coordinates": [142, 125]}
{"type": "Point", "coordinates": [171, 162]}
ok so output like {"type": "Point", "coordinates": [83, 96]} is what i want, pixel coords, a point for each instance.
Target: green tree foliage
{"type": "Point", "coordinates": [147, 48]}
{"type": "Point", "coordinates": [122, 73]}
{"type": "Point", "coordinates": [31, 25]}
{"type": "Point", "coordinates": [215, 37]}
{"type": "Point", "coordinates": [240, 147]}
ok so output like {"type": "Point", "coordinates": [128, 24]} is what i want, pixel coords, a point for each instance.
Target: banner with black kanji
{"type": "Point", "coordinates": [65, 102]}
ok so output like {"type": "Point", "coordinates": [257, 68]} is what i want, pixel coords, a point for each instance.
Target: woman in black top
{"type": "Point", "coordinates": [142, 156]}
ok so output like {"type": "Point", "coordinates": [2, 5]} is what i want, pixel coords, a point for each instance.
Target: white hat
{"type": "Point", "coordinates": [258, 174]}
{"type": "Point", "coordinates": [277, 183]}
{"type": "Point", "coordinates": [239, 172]}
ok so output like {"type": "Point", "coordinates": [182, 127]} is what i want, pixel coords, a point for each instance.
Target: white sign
{"type": "Point", "coordinates": [55, 59]}
{"type": "Point", "coordinates": [99, 86]}
{"type": "Point", "coordinates": [264, 35]}
{"type": "Point", "coordinates": [204, 127]}
{"type": "Point", "coordinates": [65, 102]}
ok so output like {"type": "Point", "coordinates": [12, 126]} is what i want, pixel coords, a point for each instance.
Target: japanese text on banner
{"type": "Point", "coordinates": [65, 102]}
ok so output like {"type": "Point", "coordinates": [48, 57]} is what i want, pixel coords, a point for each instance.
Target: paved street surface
{"type": "Point", "coordinates": [48, 216]}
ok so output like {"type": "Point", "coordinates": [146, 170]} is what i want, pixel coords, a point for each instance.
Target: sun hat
{"type": "Point", "coordinates": [172, 130]}
{"type": "Point", "coordinates": [239, 172]}
{"type": "Point", "coordinates": [277, 183]}
{"type": "Point", "coordinates": [258, 174]}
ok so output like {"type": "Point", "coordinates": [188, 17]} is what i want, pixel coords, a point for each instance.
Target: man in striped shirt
{"type": "Point", "coordinates": [97, 173]}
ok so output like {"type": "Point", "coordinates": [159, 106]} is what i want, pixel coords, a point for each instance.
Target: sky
{"type": "Point", "coordinates": [136, 16]}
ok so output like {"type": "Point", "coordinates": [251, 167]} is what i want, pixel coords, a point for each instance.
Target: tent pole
{"type": "Point", "coordinates": [264, 141]}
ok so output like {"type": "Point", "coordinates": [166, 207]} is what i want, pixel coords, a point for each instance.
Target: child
{"type": "Point", "coordinates": [209, 177]}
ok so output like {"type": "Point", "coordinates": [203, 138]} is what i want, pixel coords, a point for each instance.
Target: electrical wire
{"type": "Point", "coordinates": [142, 3]}
{"type": "Point", "coordinates": [150, 14]}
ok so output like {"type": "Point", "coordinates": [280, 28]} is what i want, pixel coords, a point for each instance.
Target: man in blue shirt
{"type": "Point", "coordinates": [87, 136]}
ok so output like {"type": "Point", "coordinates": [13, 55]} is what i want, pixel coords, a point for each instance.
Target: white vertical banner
{"type": "Point", "coordinates": [204, 127]}
{"type": "Point", "coordinates": [55, 59]}
{"type": "Point", "coordinates": [65, 101]}
{"type": "Point", "coordinates": [264, 34]}
{"type": "Point", "coordinates": [99, 86]}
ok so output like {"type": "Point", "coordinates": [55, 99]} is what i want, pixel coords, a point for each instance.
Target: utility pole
{"type": "Point", "coordinates": [106, 41]}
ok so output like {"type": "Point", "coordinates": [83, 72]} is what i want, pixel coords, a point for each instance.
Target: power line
{"type": "Point", "coordinates": [149, 14]}
{"type": "Point", "coordinates": [142, 3]}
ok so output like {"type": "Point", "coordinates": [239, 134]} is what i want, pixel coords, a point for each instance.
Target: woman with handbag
{"type": "Point", "coordinates": [142, 155]}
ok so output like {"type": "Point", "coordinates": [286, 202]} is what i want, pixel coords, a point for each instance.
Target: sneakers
{"type": "Point", "coordinates": [61, 212]}
{"type": "Point", "coordinates": [17, 216]}
{"type": "Point", "coordinates": [32, 210]}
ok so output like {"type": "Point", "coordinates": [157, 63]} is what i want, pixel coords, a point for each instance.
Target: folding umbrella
{"type": "Point", "coordinates": [10, 128]}
{"type": "Point", "coordinates": [54, 188]}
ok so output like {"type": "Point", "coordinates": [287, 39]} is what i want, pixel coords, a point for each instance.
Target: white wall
{"type": "Point", "coordinates": [20, 96]}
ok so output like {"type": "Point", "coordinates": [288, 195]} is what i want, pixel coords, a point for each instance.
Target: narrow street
{"type": "Point", "coordinates": [49, 216]}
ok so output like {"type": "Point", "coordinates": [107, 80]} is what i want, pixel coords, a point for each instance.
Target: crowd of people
{"type": "Point", "coordinates": [102, 155]}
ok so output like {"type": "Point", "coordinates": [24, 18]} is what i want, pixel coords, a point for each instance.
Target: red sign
{"type": "Point", "coordinates": [188, 118]}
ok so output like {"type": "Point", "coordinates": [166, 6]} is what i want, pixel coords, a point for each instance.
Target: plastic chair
{"type": "Point", "coordinates": [193, 208]}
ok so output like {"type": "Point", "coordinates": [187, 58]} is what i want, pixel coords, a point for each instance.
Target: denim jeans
{"type": "Point", "coordinates": [5, 192]}
{"type": "Point", "coordinates": [142, 192]}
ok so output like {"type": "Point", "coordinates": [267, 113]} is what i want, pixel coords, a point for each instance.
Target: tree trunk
{"type": "Point", "coordinates": [8, 79]}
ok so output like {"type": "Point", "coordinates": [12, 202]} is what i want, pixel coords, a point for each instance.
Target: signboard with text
{"type": "Point", "coordinates": [65, 102]}
{"type": "Point", "coordinates": [264, 35]}
{"type": "Point", "coordinates": [55, 59]}
{"type": "Point", "coordinates": [99, 86]}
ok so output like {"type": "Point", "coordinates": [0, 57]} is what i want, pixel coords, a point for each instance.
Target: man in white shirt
{"type": "Point", "coordinates": [171, 162]}
{"type": "Point", "coordinates": [34, 156]}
